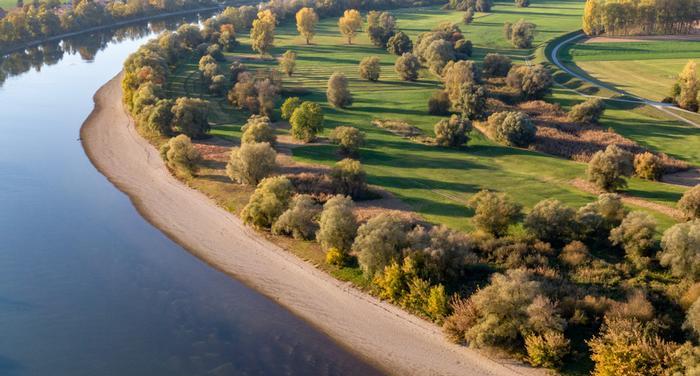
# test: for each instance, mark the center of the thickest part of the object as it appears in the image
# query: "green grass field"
(435, 181)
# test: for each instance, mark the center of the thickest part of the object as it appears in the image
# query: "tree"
(306, 23)
(379, 242)
(693, 317)
(648, 166)
(227, 39)
(380, 27)
(520, 34)
(337, 224)
(307, 121)
(258, 129)
(288, 62)
(470, 101)
(497, 65)
(268, 202)
(484, 5)
(689, 204)
(468, 16)
(350, 23)
(290, 104)
(407, 67)
(552, 221)
(299, 220)
(608, 168)
(681, 250)
(190, 117)
(338, 93)
(438, 54)
(218, 85)
(452, 132)
(636, 236)
(161, 117)
(494, 212)
(456, 74)
(251, 162)
(689, 86)
(399, 44)
(370, 68)
(533, 82)
(348, 178)
(589, 111)
(180, 155)
(350, 139)
(439, 103)
(512, 128)
(522, 3)
(262, 35)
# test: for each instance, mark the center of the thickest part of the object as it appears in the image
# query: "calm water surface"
(87, 287)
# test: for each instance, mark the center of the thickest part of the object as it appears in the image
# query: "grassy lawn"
(435, 181)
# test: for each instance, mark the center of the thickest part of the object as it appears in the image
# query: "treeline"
(639, 17)
(49, 18)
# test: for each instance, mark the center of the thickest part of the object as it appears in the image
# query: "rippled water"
(87, 287)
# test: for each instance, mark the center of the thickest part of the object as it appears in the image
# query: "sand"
(386, 336)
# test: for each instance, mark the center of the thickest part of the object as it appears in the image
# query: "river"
(87, 286)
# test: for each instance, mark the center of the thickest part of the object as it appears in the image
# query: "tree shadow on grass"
(655, 195)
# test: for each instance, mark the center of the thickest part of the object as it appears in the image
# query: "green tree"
(337, 224)
(452, 132)
(494, 212)
(190, 117)
(290, 104)
(270, 199)
(399, 44)
(370, 69)
(608, 168)
(338, 93)
(251, 163)
(307, 121)
(349, 178)
(407, 67)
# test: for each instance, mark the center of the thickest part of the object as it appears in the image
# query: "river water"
(88, 287)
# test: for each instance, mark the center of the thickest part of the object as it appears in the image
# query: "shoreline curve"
(384, 335)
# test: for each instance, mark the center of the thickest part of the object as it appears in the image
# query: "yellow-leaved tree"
(306, 23)
(689, 86)
(350, 24)
(262, 35)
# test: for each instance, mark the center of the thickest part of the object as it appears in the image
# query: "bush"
(399, 44)
(681, 250)
(512, 128)
(497, 65)
(348, 178)
(335, 257)
(589, 111)
(692, 320)
(547, 350)
(522, 3)
(161, 117)
(551, 221)
(288, 62)
(307, 121)
(380, 27)
(407, 67)
(575, 254)
(636, 236)
(608, 168)
(218, 85)
(300, 219)
(441, 253)
(338, 93)
(458, 73)
(337, 224)
(370, 68)
(439, 103)
(471, 101)
(180, 155)
(596, 219)
(350, 139)
(190, 117)
(258, 129)
(436, 306)
(251, 162)
(520, 34)
(268, 202)
(494, 212)
(648, 166)
(452, 132)
(468, 17)
(290, 104)
(532, 82)
(689, 204)
(464, 316)
(379, 243)
(438, 54)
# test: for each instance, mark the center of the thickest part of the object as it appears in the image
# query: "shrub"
(455, 74)
(307, 121)
(692, 320)
(350, 139)
(522, 3)
(532, 82)
(464, 316)
(589, 111)
(251, 162)
(597, 218)
(161, 117)
(300, 219)
(636, 236)
(681, 250)
(370, 68)
(689, 204)
(180, 155)
(438, 54)
(512, 128)
(338, 93)
(575, 254)
(471, 101)
(648, 166)
(441, 253)
(392, 282)
(258, 129)
(608, 168)
(636, 307)
(288, 62)
(494, 212)
(236, 68)
(399, 44)
(497, 65)
(547, 350)
(463, 49)
(407, 67)
(268, 202)
(379, 243)
(214, 50)
(552, 221)
(290, 104)
(218, 84)
(520, 34)
(452, 132)
(335, 257)
(337, 224)
(348, 178)
(436, 305)
(380, 27)
(190, 117)
(439, 103)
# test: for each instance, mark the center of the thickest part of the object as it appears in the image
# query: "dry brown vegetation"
(403, 129)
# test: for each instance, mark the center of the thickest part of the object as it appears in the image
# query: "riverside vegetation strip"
(437, 182)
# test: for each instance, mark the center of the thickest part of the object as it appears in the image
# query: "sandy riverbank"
(385, 335)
